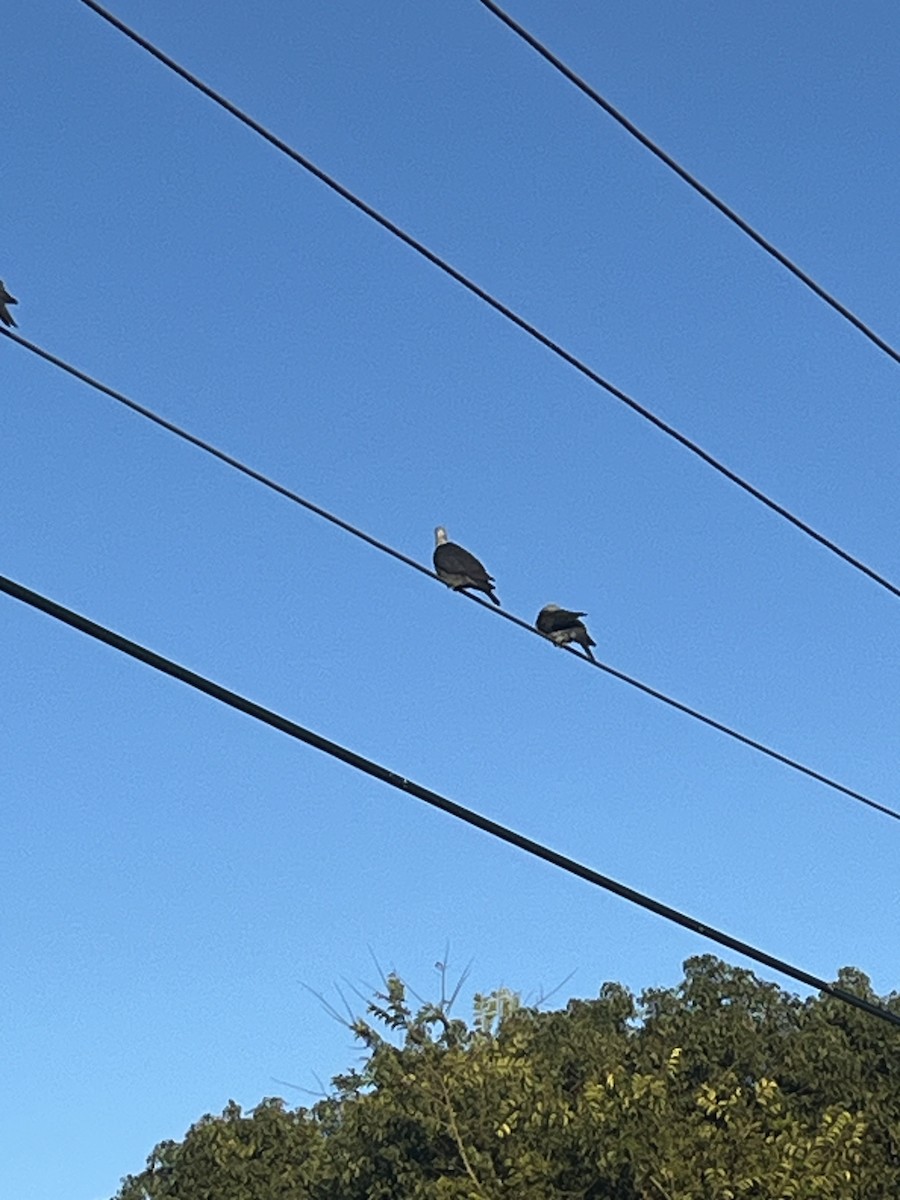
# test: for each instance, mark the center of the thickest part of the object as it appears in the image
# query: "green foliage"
(722, 1088)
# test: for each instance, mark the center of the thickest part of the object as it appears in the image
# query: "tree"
(721, 1088)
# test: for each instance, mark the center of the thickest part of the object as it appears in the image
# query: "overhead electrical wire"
(692, 181)
(493, 302)
(537, 849)
(230, 461)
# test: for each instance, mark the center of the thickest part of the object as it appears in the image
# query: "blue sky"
(176, 876)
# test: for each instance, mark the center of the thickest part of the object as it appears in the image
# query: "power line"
(692, 181)
(221, 455)
(537, 849)
(258, 477)
(494, 303)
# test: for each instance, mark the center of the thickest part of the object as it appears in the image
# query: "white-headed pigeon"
(6, 298)
(458, 568)
(563, 626)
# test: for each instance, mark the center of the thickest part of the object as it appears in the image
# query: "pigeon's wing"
(559, 619)
(456, 561)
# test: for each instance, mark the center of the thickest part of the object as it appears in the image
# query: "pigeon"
(458, 568)
(6, 298)
(563, 626)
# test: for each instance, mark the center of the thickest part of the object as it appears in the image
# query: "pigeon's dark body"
(459, 569)
(563, 626)
(6, 298)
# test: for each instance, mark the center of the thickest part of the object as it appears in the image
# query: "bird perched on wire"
(563, 626)
(458, 568)
(6, 298)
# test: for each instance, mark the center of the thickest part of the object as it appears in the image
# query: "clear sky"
(175, 876)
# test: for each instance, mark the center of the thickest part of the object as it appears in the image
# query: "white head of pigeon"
(458, 568)
(562, 626)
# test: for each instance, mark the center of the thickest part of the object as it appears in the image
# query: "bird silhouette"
(6, 298)
(563, 626)
(458, 568)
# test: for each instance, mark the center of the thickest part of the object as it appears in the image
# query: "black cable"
(689, 179)
(459, 811)
(281, 490)
(497, 305)
(209, 448)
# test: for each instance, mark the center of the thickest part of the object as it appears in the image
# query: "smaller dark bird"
(562, 626)
(6, 298)
(458, 568)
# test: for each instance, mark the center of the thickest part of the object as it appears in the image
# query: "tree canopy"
(723, 1087)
